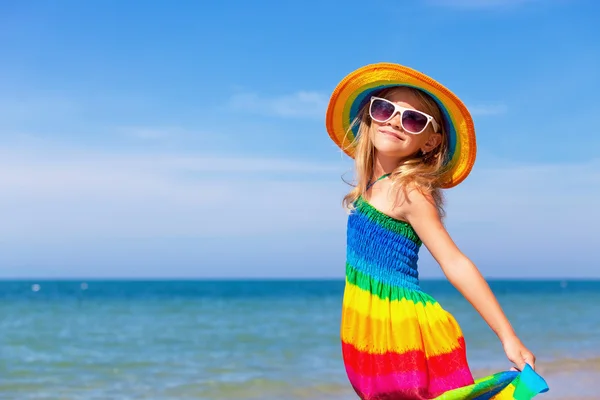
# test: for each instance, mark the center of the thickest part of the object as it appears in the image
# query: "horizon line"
(275, 278)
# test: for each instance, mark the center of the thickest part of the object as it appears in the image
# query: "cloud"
(313, 105)
(540, 193)
(172, 136)
(20, 108)
(529, 219)
(77, 194)
(150, 132)
(480, 4)
(488, 110)
(124, 214)
(302, 104)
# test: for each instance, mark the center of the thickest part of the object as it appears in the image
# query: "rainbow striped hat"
(355, 90)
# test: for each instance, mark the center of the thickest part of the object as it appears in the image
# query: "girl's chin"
(391, 150)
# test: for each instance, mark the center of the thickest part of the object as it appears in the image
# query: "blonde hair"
(421, 172)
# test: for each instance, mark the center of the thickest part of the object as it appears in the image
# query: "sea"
(255, 339)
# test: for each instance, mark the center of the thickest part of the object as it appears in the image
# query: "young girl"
(410, 138)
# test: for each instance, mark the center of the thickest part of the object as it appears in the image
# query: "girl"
(410, 138)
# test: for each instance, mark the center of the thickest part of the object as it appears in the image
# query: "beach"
(254, 339)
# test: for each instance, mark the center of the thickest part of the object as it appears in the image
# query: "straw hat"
(356, 89)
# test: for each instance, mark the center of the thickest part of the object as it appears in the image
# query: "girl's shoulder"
(411, 199)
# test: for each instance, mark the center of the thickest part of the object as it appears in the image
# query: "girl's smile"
(390, 133)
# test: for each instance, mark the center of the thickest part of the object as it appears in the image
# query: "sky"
(162, 140)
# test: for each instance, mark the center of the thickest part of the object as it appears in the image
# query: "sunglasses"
(413, 121)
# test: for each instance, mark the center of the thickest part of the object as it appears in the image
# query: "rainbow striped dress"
(397, 341)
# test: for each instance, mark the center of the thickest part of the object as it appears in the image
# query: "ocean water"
(257, 339)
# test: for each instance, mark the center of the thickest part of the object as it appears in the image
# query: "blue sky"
(143, 139)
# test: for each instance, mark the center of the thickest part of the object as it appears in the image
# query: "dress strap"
(377, 180)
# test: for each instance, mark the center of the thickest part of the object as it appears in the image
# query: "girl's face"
(395, 137)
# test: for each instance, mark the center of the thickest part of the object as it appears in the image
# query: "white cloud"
(150, 132)
(523, 194)
(302, 104)
(173, 136)
(87, 194)
(542, 217)
(313, 105)
(488, 110)
(24, 107)
(535, 220)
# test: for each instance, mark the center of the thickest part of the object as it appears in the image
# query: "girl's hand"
(518, 354)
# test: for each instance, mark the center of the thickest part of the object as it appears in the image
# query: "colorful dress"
(397, 341)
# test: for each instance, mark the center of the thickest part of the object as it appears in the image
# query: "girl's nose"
(396, 121)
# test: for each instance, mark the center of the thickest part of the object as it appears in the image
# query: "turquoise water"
(252, 339)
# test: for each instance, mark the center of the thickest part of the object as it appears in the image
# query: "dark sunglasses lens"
(413, 121)
(381, 110)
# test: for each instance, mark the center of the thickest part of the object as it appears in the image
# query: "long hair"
(422, 172)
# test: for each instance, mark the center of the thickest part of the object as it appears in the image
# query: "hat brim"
(356, 89)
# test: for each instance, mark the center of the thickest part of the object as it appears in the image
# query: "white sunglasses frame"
(400, 110)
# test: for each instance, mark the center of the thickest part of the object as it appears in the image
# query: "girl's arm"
(421, 213)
